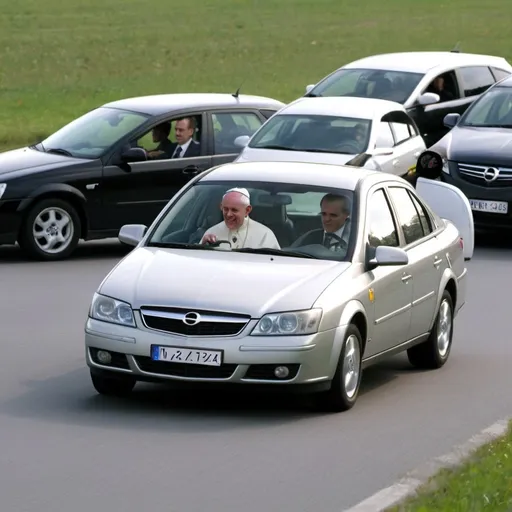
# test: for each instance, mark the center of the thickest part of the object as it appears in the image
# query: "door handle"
(437, 261)
(406, 277)
(191, 170)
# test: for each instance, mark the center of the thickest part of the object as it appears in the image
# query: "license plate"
(186, 355)
(489, 206)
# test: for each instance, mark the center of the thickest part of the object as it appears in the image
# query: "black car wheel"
(51, 230)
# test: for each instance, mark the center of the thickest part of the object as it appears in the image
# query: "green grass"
(60, 59)
(483, 483)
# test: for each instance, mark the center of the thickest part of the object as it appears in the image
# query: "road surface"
(63, 447)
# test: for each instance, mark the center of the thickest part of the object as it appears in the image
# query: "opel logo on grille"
(491, 174)
(191, 318)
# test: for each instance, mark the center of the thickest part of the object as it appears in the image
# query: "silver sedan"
(305, 275)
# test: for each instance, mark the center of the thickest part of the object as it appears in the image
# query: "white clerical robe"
(250, 234)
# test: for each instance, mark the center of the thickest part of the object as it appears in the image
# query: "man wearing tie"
(335, 211)
(185, 146)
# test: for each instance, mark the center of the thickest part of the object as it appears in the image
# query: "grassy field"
(484, 483)
(60, 59)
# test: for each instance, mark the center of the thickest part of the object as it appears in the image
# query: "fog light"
(281, 372)
(104, 357)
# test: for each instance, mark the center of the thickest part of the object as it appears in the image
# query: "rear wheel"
(121, 385)
(51, 230)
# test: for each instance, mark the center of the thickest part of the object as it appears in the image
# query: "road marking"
(407, 486)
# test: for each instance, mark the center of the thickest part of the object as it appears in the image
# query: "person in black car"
(165, 147)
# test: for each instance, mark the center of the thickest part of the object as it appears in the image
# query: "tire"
(434, 352)
(113, 385)
(39, 220)
(342, 397)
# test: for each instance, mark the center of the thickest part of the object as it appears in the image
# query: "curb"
(407, 486)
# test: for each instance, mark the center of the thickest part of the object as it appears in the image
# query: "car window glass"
(384, 136)
(381, 226)
(426, 223)
(401, 131)
(408, 217)
(305, 204)
(476, 79)
(500, 74)
(492, 108)
(230, 125)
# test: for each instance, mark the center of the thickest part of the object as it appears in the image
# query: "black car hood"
(19, 162)
(484, 146)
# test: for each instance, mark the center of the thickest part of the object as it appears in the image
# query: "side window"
(407, 215)
(401, 124)
(384, 136)
(476, 80)
(500, 74)
(268, 113)
(230, 125)
(305, 204)
(381, 226)
(425, 220)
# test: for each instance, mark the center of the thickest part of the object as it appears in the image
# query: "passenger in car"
(237, 227)
(165, 146)
(437, 87)
(186, 146)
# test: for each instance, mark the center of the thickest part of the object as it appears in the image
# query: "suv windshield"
(369, 83)
(283, 220)
(92, 134)
(492, 109)
(325, 134)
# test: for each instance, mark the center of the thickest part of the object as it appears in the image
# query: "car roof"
(422, 62)
(159, 104)
(297, 173)
(361, 108)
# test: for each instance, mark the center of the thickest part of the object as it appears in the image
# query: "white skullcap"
(242, 191)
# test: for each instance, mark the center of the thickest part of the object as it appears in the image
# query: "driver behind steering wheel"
(335, 210)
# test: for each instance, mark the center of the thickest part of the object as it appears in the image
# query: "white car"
(379, 133)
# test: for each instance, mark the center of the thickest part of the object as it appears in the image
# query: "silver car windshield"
(92, 134)
(283, 219)
(314, 133)
(492, 110)
(369, 83)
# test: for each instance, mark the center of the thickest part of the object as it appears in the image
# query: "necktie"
(178, 152)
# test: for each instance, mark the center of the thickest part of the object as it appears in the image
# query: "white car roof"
(297, 173)
(360, 108)
(422, 62)
(162, 103)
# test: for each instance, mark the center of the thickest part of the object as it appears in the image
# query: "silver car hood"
(274, 155)
(251, 284)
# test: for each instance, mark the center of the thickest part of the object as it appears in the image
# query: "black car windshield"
(92, 134)
(369, 83)
(277, 219)
(492, 109)
(315, 133)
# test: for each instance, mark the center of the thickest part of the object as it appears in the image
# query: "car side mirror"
(134, 155)
(388, 257)
(309, 88)
(132, 234)
(429, 98)
(242, 141)
(429, 165)
(450, 120)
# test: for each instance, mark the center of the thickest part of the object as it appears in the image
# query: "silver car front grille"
(485, 174)
(192, 322)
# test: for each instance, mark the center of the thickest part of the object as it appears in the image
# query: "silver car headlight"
(111, 310)
(289, 323)
(3, 186)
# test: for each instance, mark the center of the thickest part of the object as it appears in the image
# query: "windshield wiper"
(276, 252)
(312, 150)
(274, 146)
(59, 151)
(176, 245)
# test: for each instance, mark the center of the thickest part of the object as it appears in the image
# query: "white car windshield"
(283, 219)
(313, 133)
(369, 83)
(92, 134)
(492, 110)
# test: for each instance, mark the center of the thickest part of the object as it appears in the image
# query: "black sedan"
(118, 164)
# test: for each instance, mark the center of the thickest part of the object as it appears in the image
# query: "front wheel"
(346, 382)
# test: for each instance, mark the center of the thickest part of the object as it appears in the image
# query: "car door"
(392, 286)
(136, 192)
(426, 261)
(228, 124)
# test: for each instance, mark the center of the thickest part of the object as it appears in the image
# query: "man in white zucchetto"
(237, 227)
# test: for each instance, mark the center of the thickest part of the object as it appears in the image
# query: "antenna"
(456, 48)
(237, 93)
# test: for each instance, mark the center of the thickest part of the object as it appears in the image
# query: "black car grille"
(190, 322)
(485, 175)
(197, 371)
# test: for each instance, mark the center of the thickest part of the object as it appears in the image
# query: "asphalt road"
(64, 448)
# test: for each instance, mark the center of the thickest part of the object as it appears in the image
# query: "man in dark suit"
(185, 147)
(335, 211)
(165, 147)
